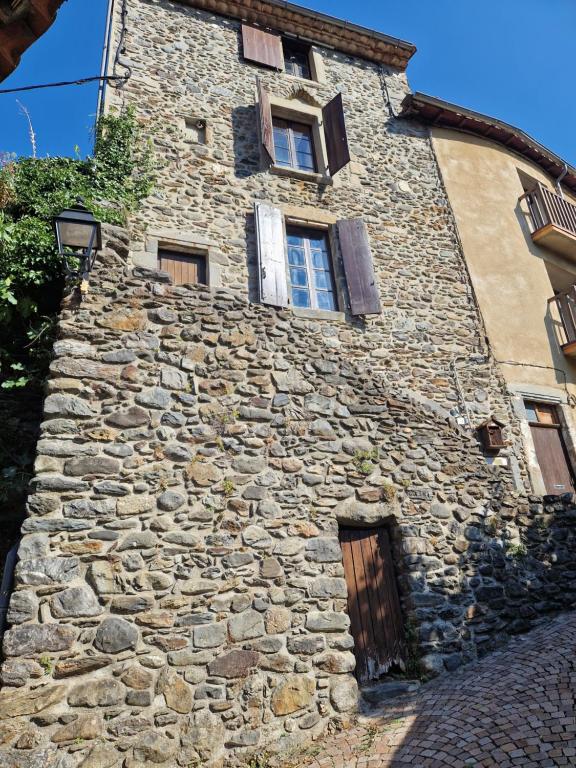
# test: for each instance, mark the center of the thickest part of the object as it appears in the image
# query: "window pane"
(318, 242)
(305, 162)
(296, 59)
(320, 260)
(326, 300)
(300, 297)
(296, 257)
(531, 412)
(298, 277)
(295, 240)
(322, 281)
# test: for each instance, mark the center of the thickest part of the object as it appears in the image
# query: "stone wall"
(187, 64)
(180, 597)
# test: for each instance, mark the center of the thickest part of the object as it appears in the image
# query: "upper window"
(296, 59)
(310, 277)
(293, 145)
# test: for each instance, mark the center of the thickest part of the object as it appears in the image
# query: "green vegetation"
(112, 183)
(363, 461)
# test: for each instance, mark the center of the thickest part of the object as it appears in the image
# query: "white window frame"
(325, 232)
(292, 145)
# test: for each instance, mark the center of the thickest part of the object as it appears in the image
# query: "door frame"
(544, 396)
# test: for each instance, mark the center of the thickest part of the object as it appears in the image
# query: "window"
(183, 268)
(296, 59)
(309, 269)
(293, 145)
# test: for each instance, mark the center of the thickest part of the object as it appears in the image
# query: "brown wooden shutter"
(358, 267)
(266, 127)
(262, 47)
(271, 258)
(335, 132)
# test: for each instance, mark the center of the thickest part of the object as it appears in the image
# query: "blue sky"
(511, 59)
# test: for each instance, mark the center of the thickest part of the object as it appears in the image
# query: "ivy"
(33, 191)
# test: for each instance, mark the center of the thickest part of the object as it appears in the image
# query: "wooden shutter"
(271, 259)
(262, 47)
(335, 132)
(266, 127)
(183, 268)
(358, 267)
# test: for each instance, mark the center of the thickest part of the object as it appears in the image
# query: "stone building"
(514, 203)
(22, 22)
(259, 474)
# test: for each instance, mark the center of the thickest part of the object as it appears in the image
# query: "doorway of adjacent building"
(550, 447)
(373, 601)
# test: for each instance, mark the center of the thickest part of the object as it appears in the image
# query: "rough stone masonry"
(180, 597)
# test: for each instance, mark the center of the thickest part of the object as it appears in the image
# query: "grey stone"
(129, 417)
(172, 378)
(34, 546)
(47, 570)
(103, 692)
(16, 673)
(170, 501)
(246, 625)
(49, 482)
(53, 525)
(36, 639)
(327, 621)
(95, 465)
(111, 488)
(316, 403)
(210, 635)
(324, 550)
(67, 405)
(156, 397)
(328, 587)
(89, 508)
(249, 465)
(115, 635)
(344, 694)
(23, 607)
(177, 452)
(74, 602)
(257, 537)
(139, 540)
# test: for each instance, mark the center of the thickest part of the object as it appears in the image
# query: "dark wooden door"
(183, 268)
(550, 448)
(373, 603)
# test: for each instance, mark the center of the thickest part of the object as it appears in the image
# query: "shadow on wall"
(534, 575)
(246, 142)
(514, 569)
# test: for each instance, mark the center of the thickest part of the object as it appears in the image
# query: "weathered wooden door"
(550, 448)
(373, 602)
(183, 268)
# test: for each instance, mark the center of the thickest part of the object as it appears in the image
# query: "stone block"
(295, 692)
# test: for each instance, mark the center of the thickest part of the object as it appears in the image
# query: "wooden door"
(550, 448)
(183, 268)
(373, 603)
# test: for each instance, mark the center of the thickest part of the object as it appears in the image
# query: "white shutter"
(271, 258)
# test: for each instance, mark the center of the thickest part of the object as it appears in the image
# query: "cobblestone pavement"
(515, 707)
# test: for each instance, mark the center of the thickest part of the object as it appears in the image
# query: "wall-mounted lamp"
(79, 238)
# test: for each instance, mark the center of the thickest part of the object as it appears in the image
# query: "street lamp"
(79, 238)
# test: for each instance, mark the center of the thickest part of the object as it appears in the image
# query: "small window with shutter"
(296, 59)
(183, 268)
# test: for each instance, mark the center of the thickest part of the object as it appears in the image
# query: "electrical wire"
(81, 81)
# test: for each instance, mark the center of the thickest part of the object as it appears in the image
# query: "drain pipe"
(560, 179)
(105, 56)
(7, 584)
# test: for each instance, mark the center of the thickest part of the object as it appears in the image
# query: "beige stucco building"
(520, 251)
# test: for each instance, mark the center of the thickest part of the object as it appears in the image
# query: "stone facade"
(180, 597)
(187, 63)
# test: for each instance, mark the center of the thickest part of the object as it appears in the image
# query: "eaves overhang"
(443, 114)
(317, 27)
(22, 22)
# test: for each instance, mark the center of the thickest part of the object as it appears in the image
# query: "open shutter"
(335, 132)
(262, 47)
(271, 259)
(358, 267)
(266, 128)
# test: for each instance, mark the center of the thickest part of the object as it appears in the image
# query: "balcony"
(553, 221)
(564, 319)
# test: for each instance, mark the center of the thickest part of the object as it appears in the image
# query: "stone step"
(377, 698)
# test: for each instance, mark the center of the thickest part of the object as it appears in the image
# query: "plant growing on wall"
(112, 183)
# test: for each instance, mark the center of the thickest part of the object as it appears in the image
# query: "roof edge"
(444, 114)
(322, 28)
